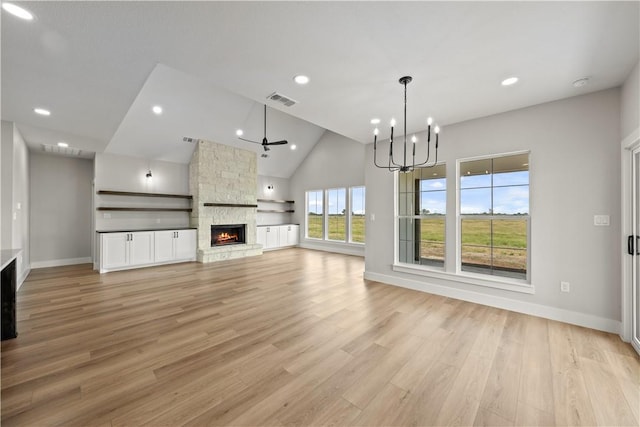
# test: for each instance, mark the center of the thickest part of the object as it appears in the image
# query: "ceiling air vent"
(278, 97)
(189, 139)
(65, 151)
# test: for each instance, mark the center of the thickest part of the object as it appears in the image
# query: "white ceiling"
(100, 66)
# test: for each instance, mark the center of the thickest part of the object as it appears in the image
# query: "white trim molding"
(356, 249)
(60, 262)
(547, 312)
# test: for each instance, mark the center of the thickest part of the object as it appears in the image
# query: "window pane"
(315, 229)
(511, 200)
(337, 214)
(357, 214)
(475, 174)
(476, 244)
(432, 234)
(511, 178)
(475, 201)
(433, 202)
(407, 242)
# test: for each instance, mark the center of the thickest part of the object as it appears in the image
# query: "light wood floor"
(296, 337)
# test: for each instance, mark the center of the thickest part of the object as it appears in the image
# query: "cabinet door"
(293, 235)
(282, 235)
(185, 244)
(141, 248)
(261, 236)
(163, 245)
(273, 237)
(114, 250)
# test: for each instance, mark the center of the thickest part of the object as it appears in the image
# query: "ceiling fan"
(265, 143)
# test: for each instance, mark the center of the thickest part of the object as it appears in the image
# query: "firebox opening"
(230, 234)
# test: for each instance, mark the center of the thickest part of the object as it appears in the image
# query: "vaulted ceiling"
(99, 67)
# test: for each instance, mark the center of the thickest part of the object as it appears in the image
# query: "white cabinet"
(124, 250)
(273, 237)
(261, 236)
(175, 245)
(293, 234)
(278, 236)
(121, 251)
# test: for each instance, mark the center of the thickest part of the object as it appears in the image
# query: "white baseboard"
(553, 313)
(61, 262)
(339, 248)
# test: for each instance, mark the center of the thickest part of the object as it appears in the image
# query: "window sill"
(513, 285)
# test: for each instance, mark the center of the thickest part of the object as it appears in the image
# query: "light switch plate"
(601, 220)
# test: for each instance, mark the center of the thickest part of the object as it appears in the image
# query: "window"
(494, 216)
(357, 217)
(422, 196)
(315, 214)
(337, 218)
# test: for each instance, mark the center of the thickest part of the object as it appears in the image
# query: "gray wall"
(280, 191)
(123, 173)
(61, 210)
(630, 103)
(335, 162)
(15, 197)
(575, 159)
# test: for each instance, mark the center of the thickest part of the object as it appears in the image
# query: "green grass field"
(337, 227)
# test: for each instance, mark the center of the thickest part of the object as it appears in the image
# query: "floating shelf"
(129, 193)
(231, 205)
(110, 208)
(276, 210)
(275, 201)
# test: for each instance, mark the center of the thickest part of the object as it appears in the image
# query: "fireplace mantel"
(230, 205)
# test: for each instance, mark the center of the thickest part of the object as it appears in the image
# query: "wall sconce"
(148, 175)
(270, 188)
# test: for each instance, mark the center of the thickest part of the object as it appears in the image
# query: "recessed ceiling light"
(18, 11)
(581, 82)
(42, 111)
(375, 121)
(63, 144)
(239, 132)
(293, 146)
(509, 81)
(301, 80)
(157, 109)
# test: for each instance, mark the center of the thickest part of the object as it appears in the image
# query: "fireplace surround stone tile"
(222, 174)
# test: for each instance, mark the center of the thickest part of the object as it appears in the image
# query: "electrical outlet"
(565, 287)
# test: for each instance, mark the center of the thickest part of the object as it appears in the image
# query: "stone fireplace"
(223, 182)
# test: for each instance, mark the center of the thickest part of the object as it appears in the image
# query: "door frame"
(629, 146)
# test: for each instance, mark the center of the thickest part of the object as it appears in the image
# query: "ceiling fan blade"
(283, 142)
(248, 140)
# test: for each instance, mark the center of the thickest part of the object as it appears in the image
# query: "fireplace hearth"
(229, 234)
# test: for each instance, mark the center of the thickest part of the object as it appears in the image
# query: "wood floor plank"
(295, 338)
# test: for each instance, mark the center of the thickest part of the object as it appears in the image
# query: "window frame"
(491, 217)
(398, 217)
(350, 213)
(306, 215)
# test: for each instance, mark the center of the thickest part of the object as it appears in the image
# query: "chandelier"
(392, 166)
